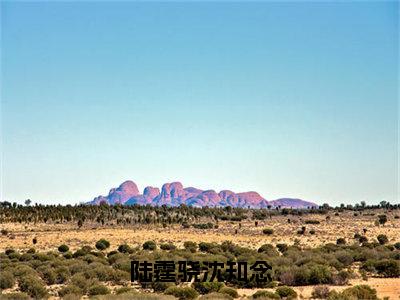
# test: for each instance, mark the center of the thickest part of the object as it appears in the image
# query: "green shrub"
(98, 289)
(207, 287)
(320, 292)
(397, 245)
(286, 292)
(33, 286)
(182, 293)
(282, 247)
(268, 249)
(364, 292)
(265, 295)
(341, 241)
(215, 296)
(124, 290)
(388, 268)
(192, 246)
(7, 280)
(102, 244)
(320, 274)
(124, 248)
(70, 289)
(161, 286)
(382, 239)
(15, 296)
(312, 222)
(229, 291)
(382, 219)
(149, 245)
(268, 231)
(47, 274)
(63, 248)
(167, 246)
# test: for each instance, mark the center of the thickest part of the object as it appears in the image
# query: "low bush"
(14, 296)
(282, 247)
(207, 287)
(33, 286)
(382, 239)
(102, 244)
(341, 241)
(63, 248)
(70, 289)
(364, 292)
(229, 291)
(98, 289)
(182, 293)
(320, 292)
(161, 286)
(268, 231)
(265, 295)
(312, 222)
(215, 296)
(167, 246)
(388, 267)
(192, 246)
(149, 245)
(286, 292)
(125, 248)
(7, 280)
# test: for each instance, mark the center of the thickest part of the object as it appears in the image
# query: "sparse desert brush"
(216, 296)
(98, 289)
(102, 244)
(207, 287)
(15, 296)
(7, 280)
(313, 221)
(268, 231)
(125, 248)
(229, 291)
(263, 294)
(364, 292)
(33, 286)
(161, 286)
(167, 246)
(382, 239)
(282, 247)
(149, 245)
(70, 289)
(341, 241)
(192, 246)
(63, 248)
(268, 249)
(320, 292)
(182, 293)
(286, 292)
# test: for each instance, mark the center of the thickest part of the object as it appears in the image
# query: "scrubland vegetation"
(101, 269)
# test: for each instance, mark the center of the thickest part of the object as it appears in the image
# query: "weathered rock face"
(123, 193)
(174, 194)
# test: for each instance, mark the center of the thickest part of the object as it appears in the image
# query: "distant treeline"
(124, 215)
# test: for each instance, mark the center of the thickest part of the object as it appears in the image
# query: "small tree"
(382, 239)
(102, 244)
(382, 219)
(63, 248)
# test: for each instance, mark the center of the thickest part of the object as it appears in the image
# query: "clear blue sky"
(290, 100)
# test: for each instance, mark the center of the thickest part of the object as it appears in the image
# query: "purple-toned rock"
(150, 193)
(174, 194)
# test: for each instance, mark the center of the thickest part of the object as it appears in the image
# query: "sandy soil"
(50, 236)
